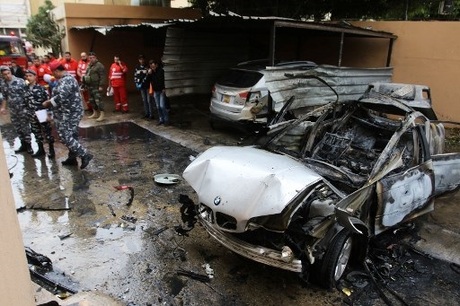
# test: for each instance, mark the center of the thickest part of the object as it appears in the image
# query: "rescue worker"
(70, 64)
(95, 80)
(41, 69)
(81, 71)
(50, 59)
(68, 111)
(13, 96)
(117, 78)
(35, 95)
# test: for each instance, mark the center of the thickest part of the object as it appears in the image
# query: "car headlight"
(287, 255)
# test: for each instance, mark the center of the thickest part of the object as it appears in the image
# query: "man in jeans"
(140, 79)
(156, 76)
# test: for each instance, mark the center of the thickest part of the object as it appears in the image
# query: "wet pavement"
(99, 242)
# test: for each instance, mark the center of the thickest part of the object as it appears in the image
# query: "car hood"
(246, 182)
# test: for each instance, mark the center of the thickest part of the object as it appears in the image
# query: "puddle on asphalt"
(101, 231)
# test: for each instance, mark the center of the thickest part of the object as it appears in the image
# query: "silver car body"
(234, 103)
(349, 167)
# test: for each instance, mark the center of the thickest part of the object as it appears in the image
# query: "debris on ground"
(64, 236)
(193, 275)
(131, 189)
(188, 216)
(160, 230)
(209, 270)
(386, 262)
(167, 179)
(39, 266)
(188, 211)
(130, 219)
(39, 260)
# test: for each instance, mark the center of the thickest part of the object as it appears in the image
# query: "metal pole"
(271, 55)
(342, 36)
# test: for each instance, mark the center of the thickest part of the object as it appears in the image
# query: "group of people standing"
(150, 81)
(148, 78)
(66, 87)
(47, 85)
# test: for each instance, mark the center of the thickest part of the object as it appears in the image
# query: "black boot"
(70, 161)
(22, 148)
(40, 152)
(85, 159)
(51, 153)
(29, 148)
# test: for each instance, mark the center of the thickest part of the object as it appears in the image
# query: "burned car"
(312, 191)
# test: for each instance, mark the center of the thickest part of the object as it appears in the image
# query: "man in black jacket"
(156, 76)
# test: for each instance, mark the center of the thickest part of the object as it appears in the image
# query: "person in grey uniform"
(35, 95)
(13, 92)
(66, 102)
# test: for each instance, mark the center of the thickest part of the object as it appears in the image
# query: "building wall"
(35, 4)
(15, 283)
(427, 53)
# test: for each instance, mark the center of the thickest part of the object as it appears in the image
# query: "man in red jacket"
(117, 78)
(41, 69)
(70, 64)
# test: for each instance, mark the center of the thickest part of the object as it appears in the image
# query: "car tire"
(335, 260)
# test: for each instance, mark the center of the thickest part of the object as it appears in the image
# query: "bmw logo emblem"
(217, 200)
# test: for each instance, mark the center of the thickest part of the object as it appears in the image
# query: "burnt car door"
(446, 171)
(409, 190)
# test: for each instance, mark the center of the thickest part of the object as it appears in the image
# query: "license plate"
(226, 99)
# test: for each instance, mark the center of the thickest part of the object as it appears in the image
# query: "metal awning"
(105, 29)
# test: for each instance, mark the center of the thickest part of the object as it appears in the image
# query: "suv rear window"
(240, 78)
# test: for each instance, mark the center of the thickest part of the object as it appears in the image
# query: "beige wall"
(15, 283)
(427, 53)
(35, 4)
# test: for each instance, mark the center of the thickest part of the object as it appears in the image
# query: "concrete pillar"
(15, 283)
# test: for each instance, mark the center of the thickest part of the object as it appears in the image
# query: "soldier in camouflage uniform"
(35, 95)
(95, 81)
(67, 107)
(13, 94)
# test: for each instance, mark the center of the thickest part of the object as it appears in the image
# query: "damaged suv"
(313, 190)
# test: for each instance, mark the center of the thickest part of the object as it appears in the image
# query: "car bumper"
(260, 254)
(236, 114)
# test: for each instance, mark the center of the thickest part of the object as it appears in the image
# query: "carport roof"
(236, 21)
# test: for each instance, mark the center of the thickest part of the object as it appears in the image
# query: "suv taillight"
(243, 95)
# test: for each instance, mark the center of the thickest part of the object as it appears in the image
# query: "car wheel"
(336, 259)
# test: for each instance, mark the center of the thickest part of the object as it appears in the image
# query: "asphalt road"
(136, 254)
